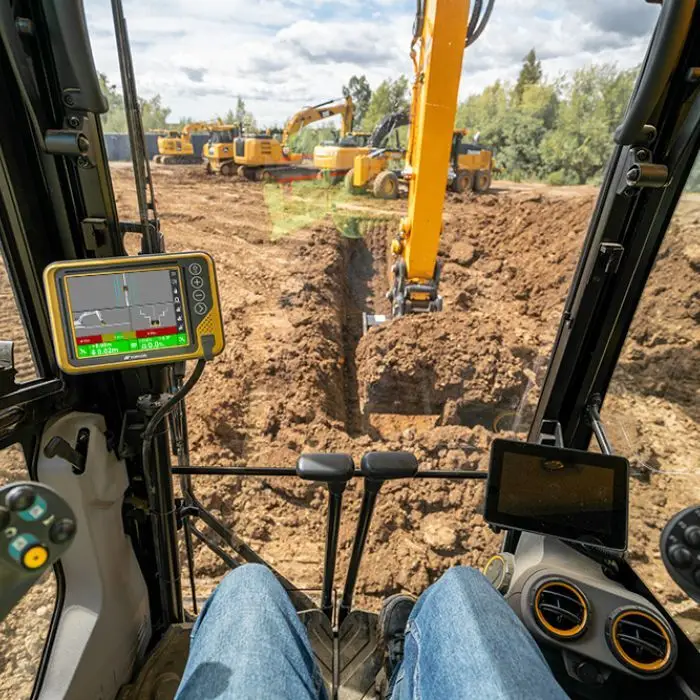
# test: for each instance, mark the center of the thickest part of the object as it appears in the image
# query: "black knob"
(4, 517)
(20, 498)
(587, 672)
(62, 530)
(692, 536)
(680, 556)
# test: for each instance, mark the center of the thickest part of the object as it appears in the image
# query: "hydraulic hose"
(166, 408)
(474, 20)
(160, 505)
(478, 31)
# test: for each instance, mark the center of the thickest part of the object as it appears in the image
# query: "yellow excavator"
(218, 151)
(334, 160)
(264, 158)
(175, 147)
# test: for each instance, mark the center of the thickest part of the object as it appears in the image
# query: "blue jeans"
(462, 641)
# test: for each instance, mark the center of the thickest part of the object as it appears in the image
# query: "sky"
(280, 55)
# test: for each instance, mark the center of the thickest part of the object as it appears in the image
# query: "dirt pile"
(457, 366)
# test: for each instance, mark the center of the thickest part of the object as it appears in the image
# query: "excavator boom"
(309, 115)
(440, 38)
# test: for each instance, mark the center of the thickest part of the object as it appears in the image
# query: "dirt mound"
(458, 366)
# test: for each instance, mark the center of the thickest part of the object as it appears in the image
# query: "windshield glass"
(303, 254)
(652, 412)
(298, 264)
(221, 136)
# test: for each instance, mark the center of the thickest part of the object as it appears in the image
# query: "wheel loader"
(470, 168)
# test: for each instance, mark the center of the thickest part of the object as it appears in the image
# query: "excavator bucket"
(369, 320)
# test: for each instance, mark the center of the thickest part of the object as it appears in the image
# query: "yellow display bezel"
(211, 324)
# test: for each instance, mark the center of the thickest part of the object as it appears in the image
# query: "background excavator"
(218, 151)
(99, 429)
(334, 160)
(265, 158)
(176, 146)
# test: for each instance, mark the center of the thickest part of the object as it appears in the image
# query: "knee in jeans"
(251, 580)
(460, 580)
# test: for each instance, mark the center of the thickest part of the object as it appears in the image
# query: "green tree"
(530, 74)
(114, 121)
(477, 112)
(592, 106)
(153, 113)
(390, 96)
(358, 88)
(241, 116)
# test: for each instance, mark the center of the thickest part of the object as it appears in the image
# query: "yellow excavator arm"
(199, 126)
(437, 50)
(309, 115)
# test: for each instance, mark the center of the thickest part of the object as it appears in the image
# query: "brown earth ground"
(295, 275)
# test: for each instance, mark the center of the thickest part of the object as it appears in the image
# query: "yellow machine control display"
(115, 313)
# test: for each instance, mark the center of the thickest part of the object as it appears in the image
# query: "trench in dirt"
(365, 261)
(398, 401)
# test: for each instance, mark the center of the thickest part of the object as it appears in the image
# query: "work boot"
(392, 627)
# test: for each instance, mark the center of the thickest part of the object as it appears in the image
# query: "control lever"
(376, 467)
(335, 470)
(59, 447)
(38, 527)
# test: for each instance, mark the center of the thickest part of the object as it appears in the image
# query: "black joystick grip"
(36, 526)
(326, 467)
(335, 470)
(383, 466)
(680, 550)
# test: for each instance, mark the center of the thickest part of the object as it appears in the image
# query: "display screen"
(122, 312)
(570, 494)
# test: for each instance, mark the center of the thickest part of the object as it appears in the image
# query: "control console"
(680, 550)
(37, 527)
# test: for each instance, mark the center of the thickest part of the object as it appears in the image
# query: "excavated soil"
(297, 375)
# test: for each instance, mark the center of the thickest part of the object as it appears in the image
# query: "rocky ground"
(297, 266)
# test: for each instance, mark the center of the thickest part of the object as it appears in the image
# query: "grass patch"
(296, 205)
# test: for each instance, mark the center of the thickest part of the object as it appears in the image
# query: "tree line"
(155, 116)
(560, 130)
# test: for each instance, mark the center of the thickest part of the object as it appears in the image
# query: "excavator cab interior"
(119, 340)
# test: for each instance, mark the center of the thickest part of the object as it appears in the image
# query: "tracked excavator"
(103, 425)
(175, 147)
(333, 160)
(266, 159)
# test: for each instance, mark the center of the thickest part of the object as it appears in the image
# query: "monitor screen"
(570, 494)
(115, 313)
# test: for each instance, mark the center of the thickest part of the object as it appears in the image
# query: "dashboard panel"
(568, 604)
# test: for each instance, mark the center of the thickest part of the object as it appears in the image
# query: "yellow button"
(35, 557)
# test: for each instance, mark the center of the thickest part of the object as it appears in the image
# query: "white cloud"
(281, 54)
